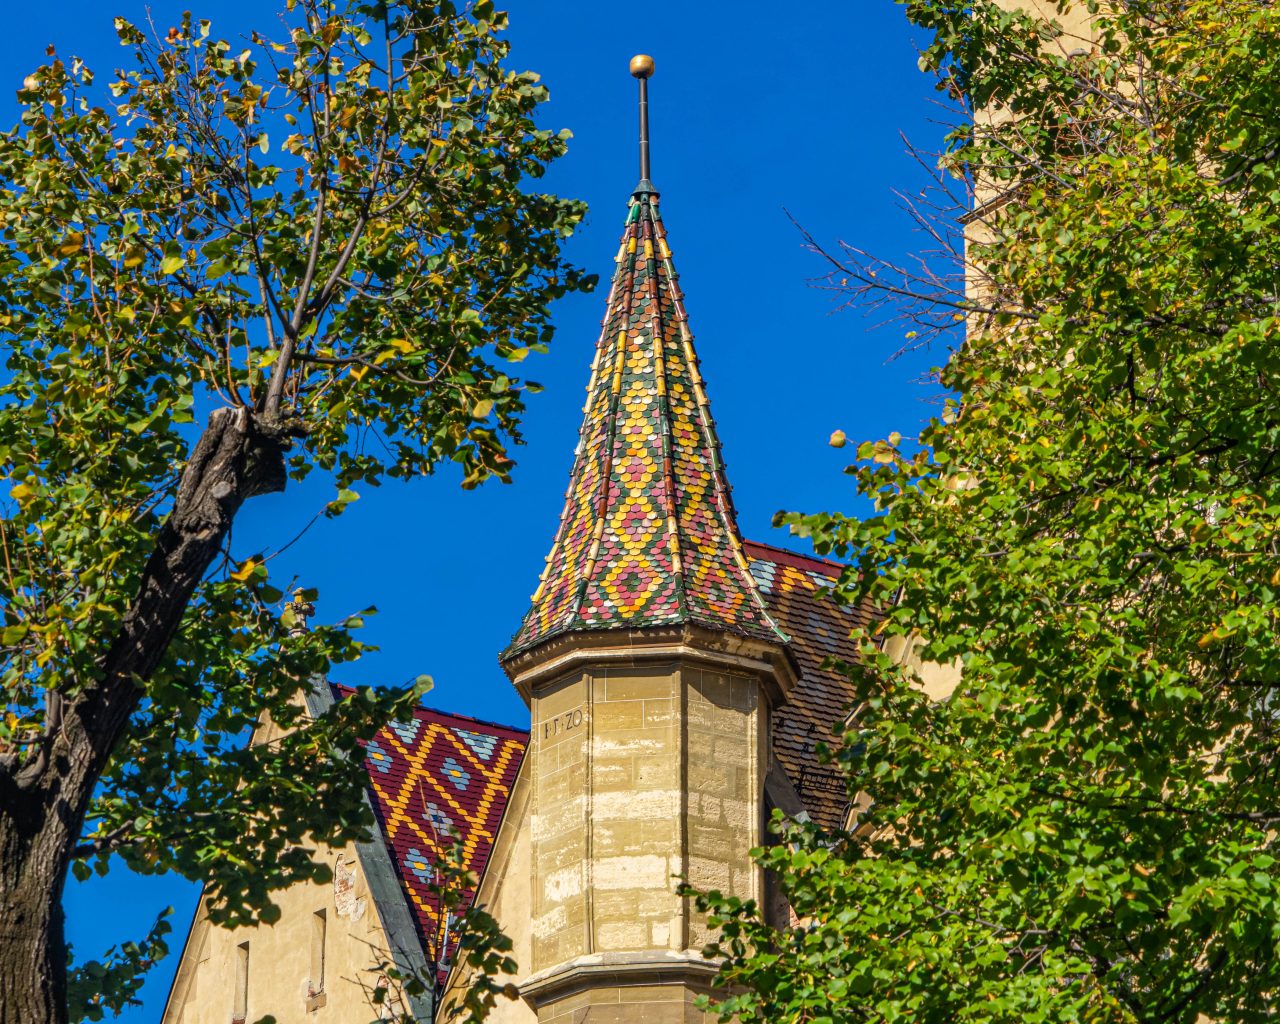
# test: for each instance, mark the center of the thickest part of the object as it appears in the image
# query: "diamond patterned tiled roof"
(648, 536)
(819, 629)
(432, 778)
(440, 774)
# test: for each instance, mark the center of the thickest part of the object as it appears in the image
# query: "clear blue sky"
(755, 107)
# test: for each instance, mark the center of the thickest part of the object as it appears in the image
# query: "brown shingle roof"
(819, 629)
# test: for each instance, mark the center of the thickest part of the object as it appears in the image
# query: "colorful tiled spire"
(648, 536)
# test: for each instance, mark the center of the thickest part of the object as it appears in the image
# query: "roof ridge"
(798, 556)
(472, 720)
(420, 706)
(675, 540)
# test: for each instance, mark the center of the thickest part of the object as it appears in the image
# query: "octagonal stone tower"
(651, 666)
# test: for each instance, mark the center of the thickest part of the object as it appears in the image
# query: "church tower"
(652, 666)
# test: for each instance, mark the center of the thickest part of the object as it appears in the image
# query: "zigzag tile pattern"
(819, 629)
(433, 778)
(648, 536)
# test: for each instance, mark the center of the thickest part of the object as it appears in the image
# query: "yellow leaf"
(358, 372)
(838, 439)
(20, 492)
(403, 344)
(482, 409)
(134, 258)
(71, 244)
(246, 570)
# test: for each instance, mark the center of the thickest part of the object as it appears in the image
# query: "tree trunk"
(33, 968)
(44, 801)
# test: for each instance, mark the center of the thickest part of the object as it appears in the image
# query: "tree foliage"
(1087, 828)
(477, 949)
(98, 987)
(233, 264)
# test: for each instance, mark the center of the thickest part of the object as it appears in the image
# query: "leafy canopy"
(1086, 830)
(325, 239)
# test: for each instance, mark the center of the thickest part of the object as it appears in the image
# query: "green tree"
(318, 246)
(1087, 829)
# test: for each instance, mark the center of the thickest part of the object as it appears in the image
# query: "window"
(318, 927)
(240, 1007)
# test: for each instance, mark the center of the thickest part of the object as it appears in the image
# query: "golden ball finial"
(641, 65)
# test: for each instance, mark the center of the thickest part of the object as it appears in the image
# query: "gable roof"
(648, 535)
(819, 628)
(433, 778)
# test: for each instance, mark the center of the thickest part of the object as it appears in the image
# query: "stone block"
(563, 884)
(616, 715)
(615, 774)
(646, 871)
(711, 687)
(724, 721)
(733, 750)
(559, 851)
(670, 993)
(633, 838)
(621, 935)
(716, 843)
(558, 697)
(554, 817)
(631, 743)
(659, 713)
(654, 772)
(657, 804)
(700, 745)
(705, 777)
(660, 904)
(639, 687)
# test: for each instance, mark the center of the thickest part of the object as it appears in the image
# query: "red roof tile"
(433, 778)
(443, 774)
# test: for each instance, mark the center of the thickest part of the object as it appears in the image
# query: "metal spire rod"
(642, 68)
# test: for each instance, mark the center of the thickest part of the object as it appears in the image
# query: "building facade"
(678, 684)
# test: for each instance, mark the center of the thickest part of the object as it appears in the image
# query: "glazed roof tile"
(794, 585)
(440, 775)
(432, 778)
(648, 536)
